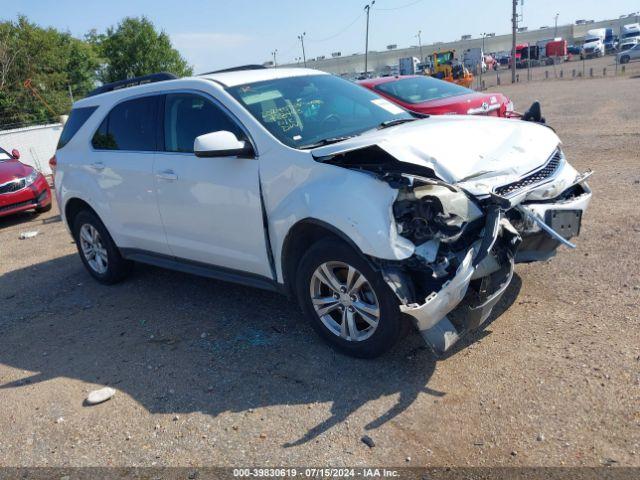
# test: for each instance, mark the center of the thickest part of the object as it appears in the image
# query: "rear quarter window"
(77, 118)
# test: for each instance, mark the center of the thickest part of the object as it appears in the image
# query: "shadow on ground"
(177, 343)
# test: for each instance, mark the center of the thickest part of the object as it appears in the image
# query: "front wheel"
(348, 303)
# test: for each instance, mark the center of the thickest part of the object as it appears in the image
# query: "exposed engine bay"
(466, 244)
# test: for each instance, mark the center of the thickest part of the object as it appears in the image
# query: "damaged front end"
(463, 260)
(466, 244)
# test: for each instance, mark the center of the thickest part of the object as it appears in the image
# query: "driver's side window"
(187, 116)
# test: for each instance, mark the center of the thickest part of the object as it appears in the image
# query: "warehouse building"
(382, 61)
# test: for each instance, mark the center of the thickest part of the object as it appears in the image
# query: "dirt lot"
(209, 373)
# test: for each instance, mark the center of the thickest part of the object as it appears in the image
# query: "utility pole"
(274, 54)
(304, 56)
(419, 35)
(555, 33)
(484, 35)
(366, 40)
(514, 26)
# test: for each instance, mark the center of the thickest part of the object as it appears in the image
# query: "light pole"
(514, 27)
(304, 56)
(419, 35)
(555, 33)
(366, 41)
(274, 54)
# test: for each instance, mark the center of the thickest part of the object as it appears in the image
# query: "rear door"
(211, 207)
(125, 146)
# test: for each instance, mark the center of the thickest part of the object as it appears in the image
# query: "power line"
(339, 32)
(398, 8)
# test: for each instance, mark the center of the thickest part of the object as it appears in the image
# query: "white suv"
(301, 182)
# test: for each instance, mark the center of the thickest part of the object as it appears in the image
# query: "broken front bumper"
(490, 261)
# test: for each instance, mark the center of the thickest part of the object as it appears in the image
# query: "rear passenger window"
(130, 125)
(77, 118)
(187, 116)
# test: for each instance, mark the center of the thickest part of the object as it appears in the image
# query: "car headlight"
(509, 107)
(32, 177)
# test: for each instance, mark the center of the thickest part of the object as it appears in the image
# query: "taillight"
(53, 163)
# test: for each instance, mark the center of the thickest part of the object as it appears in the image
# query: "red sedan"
(21, 187)
(423, 94)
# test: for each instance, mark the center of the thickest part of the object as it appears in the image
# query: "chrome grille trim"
(13, 186)
(537, 177)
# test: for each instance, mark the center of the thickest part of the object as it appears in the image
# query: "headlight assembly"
(32, 177)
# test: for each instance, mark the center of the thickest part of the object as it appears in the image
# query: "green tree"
(54, 63)
(135, 48)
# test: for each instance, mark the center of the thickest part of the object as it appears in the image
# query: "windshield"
(4, 155)
(421, 89)
(303, 111)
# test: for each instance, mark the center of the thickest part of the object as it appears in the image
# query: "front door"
(210, 207)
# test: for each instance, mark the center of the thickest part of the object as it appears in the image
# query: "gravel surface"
(208, 373)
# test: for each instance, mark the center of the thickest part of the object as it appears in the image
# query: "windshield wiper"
(393, 123)
(326, 141)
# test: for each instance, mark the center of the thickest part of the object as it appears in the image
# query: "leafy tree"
(135, 48)
(55, 64)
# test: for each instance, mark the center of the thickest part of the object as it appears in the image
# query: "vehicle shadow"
(178, 344)
(27, 217)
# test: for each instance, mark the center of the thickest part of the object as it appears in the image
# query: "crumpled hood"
(478, 153)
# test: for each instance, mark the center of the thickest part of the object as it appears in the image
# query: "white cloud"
(206, 51)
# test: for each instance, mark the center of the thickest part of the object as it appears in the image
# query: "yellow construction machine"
(446, 67)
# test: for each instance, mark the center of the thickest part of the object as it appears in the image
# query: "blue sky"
(218, 33)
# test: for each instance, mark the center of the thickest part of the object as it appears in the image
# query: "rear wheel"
(349, 304)
(97, 250)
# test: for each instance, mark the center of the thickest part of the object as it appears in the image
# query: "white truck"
(629, 36)
(594, 43)
(473, 59)
(409, 65)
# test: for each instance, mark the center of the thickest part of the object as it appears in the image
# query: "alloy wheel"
(344, 301)
(93, 249)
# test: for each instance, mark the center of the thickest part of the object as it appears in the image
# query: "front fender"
(354, 203)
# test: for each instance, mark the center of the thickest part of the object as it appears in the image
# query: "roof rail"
(236, 69)
(132, 82)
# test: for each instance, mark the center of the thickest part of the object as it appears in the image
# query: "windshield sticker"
(388, 106)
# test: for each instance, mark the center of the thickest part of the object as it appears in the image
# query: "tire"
(45, 208)
(344, 326)
(625, 59)
(106, 265)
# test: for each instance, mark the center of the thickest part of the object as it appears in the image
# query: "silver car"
(629, 55)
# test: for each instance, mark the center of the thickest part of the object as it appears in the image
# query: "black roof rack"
(236, 69)
(132, 82)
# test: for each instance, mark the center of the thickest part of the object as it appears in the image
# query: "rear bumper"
(36, 195)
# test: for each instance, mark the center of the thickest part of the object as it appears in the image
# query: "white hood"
(478, 153)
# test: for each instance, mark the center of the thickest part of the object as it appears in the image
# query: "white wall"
(37, 144)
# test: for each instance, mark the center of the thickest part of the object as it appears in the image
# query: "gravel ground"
(209, 373)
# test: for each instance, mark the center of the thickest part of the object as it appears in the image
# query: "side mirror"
(15, 154)
(222, 144)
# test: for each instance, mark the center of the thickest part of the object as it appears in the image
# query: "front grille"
(539, 176)
(13, 186)
(17, 205)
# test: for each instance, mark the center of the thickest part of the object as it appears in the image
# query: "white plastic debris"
(30, 234)
(99, 396)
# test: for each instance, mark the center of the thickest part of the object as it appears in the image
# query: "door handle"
(168, 175)
(97, 166)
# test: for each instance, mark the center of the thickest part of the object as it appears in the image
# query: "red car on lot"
(21, 187)
(423, 94)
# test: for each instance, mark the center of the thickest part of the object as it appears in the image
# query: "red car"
(21, 187)
(423, 94)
